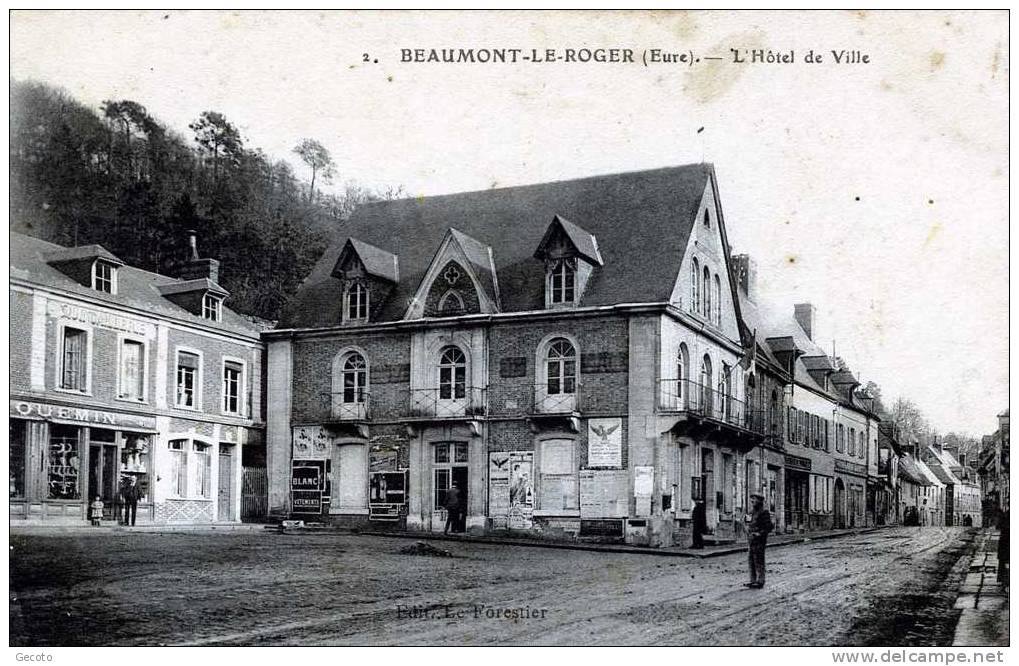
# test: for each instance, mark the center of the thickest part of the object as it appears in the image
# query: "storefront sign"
(308, 486)
(797, 463)
(603, 493)
(605, 443)
(511, 489)
(850, 468)
(102, 319)
(83, 415)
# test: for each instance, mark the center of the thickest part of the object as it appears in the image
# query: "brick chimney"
(804, 313)
(195, 268)
(745, 268)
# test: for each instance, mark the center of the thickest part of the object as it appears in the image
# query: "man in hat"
(759, 525)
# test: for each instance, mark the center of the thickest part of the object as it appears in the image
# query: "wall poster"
(605, 442)
(511, 489)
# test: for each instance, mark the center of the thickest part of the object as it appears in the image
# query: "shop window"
(179, 466)
(73, 376)
(188, 369)
(132, 371)
(18, 433)
(232, 374)
(134, 461)
(64, 465)
(212, 307)
(558, 475)
(203, 469)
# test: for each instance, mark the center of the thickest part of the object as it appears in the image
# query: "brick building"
(568, 353)
(119, 373)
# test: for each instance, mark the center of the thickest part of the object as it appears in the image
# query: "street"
(893, 586)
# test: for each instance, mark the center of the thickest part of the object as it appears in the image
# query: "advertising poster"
(603, 493)
(511, 489)
(605, 442)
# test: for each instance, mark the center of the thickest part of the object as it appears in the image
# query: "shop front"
(63, 457)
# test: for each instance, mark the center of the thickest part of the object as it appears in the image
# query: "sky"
(876, 191)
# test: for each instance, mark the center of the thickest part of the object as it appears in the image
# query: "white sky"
(911, 280)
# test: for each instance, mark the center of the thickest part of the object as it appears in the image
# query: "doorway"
(224, 495)
(103, 477)
(450, 469)
(840, 504)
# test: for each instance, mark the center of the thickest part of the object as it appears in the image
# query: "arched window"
(682, 372)
(718, 300)
(452, 374)
(705, 383)
(707, 218)
(561, 364)
(355, 378)
(356, 302)
(706, 310)
(562, 282)
(451, 303)
(695, 280)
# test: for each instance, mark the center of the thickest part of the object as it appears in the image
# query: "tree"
(219, 139)
(318, 158)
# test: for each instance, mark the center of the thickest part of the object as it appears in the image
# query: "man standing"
(700, 524)
(131, 493)
(759, 525)
(452, 509)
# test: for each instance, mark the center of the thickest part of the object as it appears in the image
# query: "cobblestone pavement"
(895, 586)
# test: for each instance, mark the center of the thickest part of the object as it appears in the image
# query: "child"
(95, 511)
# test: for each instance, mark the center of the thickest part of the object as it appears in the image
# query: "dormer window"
(212, 307)
(355, 306)
(562, 282)
(104, 277)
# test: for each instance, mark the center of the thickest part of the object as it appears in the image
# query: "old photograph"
(510, 328)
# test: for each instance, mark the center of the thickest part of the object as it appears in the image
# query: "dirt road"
(891, 587)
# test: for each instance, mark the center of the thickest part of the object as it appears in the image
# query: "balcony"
(448, 402)
(556, 404)
(710, 406)
(350, 406)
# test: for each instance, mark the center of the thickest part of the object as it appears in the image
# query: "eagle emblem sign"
(605, 442)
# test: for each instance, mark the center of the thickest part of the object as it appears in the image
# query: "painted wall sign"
(797, 463)
(102, 319)
(83, 415)
(603, 493)
(308, 487)
(850, 468)
(605, 442)
(511, 489)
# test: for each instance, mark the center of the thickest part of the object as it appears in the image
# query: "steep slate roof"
(642, 221)
(376, 261)
(584, 241)
(481, 258)
(62, 254)
(908, 469)
(135, 288)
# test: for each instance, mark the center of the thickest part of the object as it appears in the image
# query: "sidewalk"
(673, 551)
(110, 527)
(984, 603)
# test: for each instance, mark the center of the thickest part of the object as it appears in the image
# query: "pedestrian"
(700, 524)
(759, 525)
(1003, 548)
(452, 509)
(131, 493)
(95, 511)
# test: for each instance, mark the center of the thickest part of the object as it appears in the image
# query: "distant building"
(993, 471)
(119, 373)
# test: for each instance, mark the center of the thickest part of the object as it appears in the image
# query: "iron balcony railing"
(554, 398)
(447, 402)
(350, 405)
(684, 395)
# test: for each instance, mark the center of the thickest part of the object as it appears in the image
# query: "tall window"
(840, 438)
(707, 218)
(452, 374)
(179, 466)
(852, 441)
(355, 378)
(203, 469)
(681, 372)
(232, 374)
(357, 302)
(187, 380)
(563, 282)
(64, 463)
(718, 300)
(18, 436)
(695, 280)
(561, 363)
(104, 277)
(212, 307)
(132, 370)
(791, 423)
(725, 388)
(75, 370)
(705, 384)
(706, 310)
(773, 413)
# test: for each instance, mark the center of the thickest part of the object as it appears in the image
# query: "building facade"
(122, 376)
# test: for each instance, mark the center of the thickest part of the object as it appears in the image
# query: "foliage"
(120, 178)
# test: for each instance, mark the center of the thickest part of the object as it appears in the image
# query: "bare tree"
(315, 155)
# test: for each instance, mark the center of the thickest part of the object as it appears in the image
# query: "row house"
(888, 510)
(993, 472)
(962, 488)
(117, 373)
(571, 355)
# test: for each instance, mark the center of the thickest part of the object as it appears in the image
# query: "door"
(103, 479)
(225, 497)
(352, 476)
(840, 504)
(460, 481)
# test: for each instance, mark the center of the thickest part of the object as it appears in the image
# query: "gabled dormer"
(91, 266)
(461, 279)
(784, 349)
(820, 369)
(367, 275)
(197, 290)
(570, 255)
(845, 383)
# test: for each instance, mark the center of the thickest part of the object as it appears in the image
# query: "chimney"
(195, 268)
(804, 313)
(745, 269)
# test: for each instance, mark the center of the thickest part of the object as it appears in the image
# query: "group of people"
(130, 493)
(759, 525)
